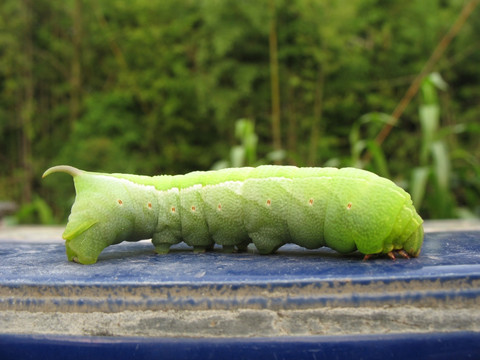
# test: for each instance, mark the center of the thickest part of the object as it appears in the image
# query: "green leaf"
(418, 185)
(442, 164)
(237, 156)
(379, 159)
(438, 81)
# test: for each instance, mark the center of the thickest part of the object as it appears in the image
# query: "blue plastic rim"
(33, 276)
(461, 345)
(443, 255)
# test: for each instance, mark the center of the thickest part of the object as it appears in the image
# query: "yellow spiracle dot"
(120, 202)
(269, 202)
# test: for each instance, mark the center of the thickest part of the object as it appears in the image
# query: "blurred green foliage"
(245, 154)
(157, 87)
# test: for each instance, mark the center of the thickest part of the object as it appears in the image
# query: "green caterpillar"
(345, 209)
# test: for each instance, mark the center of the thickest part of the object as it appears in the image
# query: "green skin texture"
(345, 209)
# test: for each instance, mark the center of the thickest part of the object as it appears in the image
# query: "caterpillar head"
(414, 243)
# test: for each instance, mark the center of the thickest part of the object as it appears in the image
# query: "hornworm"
(345, 209)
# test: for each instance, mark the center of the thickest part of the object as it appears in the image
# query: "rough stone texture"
(244, 323)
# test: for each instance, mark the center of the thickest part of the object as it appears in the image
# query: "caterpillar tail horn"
(63, 168)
